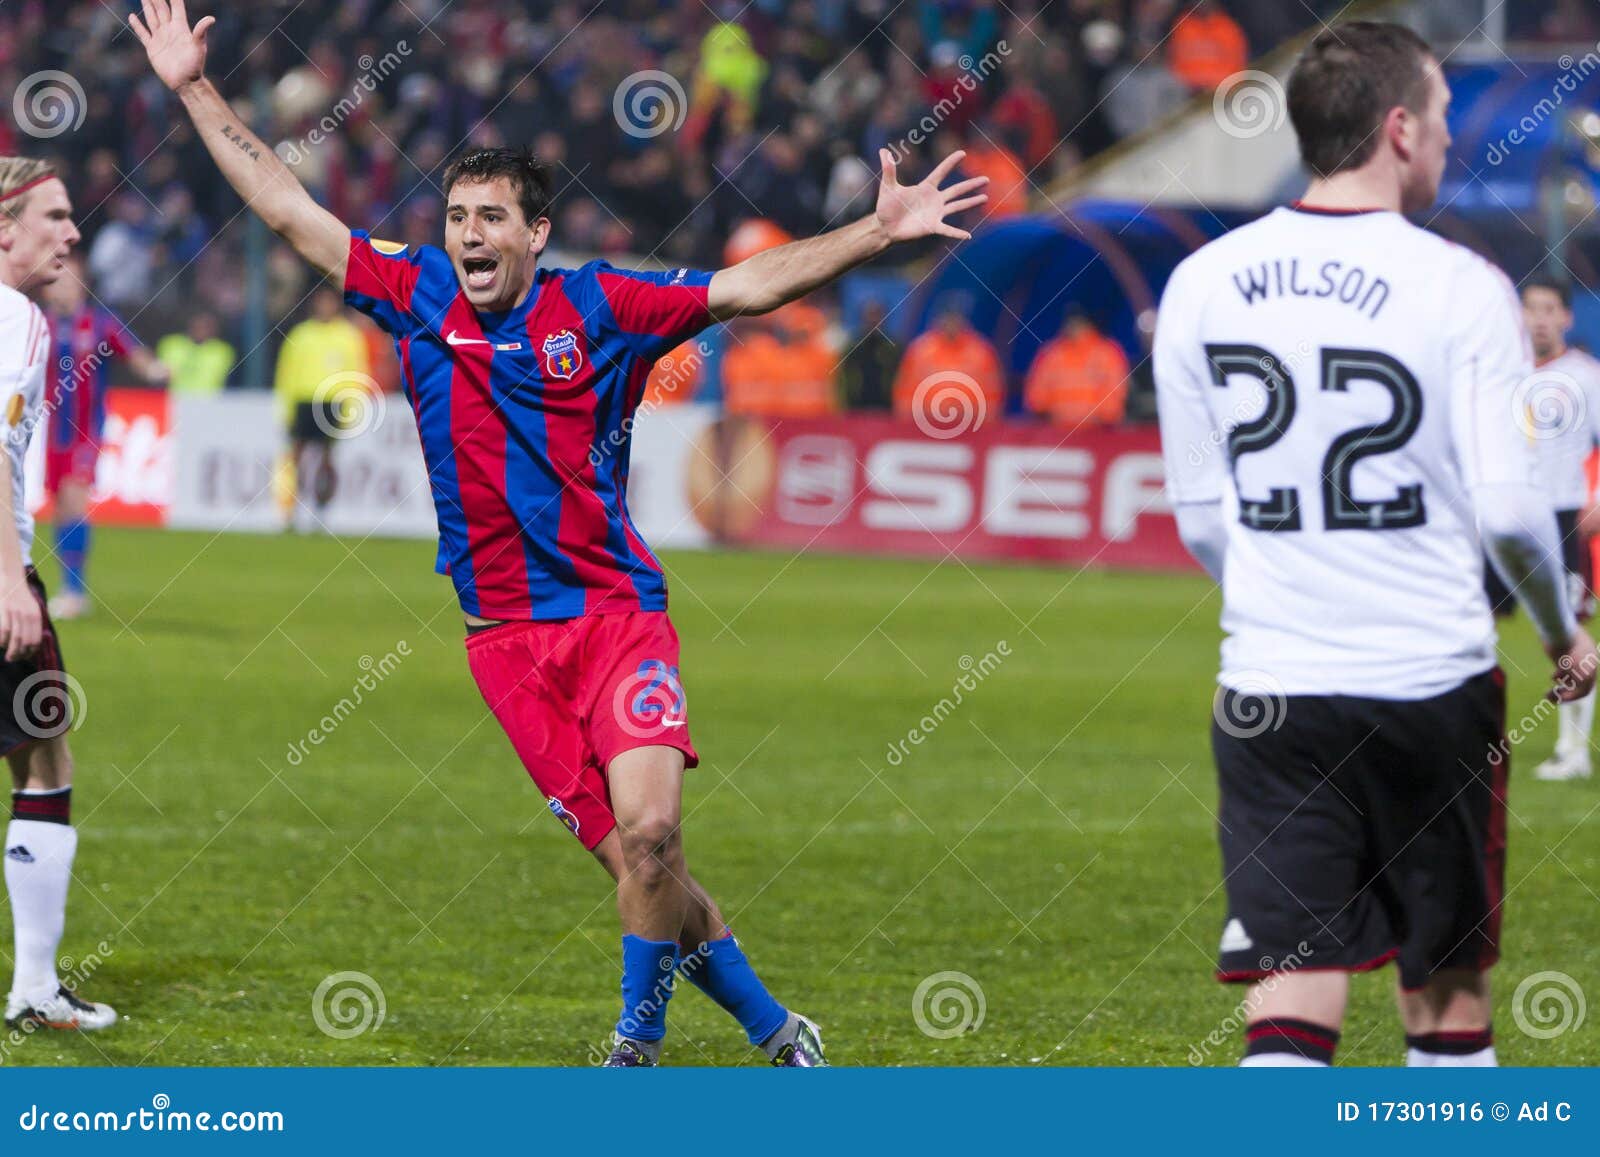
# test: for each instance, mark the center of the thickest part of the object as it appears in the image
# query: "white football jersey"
(24, 356)
(1560, 407)
(1339, 381)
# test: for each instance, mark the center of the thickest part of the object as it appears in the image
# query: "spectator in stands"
(199, 359)
(1206, 47)
(121, 259)
(1079, 378)
(1139, 93)
(829, 81)
(989, 156)
(781, 366)
(730, 64)
(751, 368)
(806, 388)
(950, 356)
(323, 372)
(867, 373)
(1025, 115)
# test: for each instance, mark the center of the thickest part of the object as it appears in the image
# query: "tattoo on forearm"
(242, 141)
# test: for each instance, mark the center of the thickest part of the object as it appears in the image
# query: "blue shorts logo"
(562, 357)
(559, 810)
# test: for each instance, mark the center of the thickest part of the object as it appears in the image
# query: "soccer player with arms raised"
(36, 235)
(524, 381)
(1338, 398)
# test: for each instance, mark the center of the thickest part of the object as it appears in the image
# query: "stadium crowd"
(669, 124)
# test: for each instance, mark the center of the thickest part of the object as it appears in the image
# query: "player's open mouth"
(479, 271)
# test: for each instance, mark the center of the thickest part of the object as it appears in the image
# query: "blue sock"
(647, 968)
(719, 969)
(72, 547)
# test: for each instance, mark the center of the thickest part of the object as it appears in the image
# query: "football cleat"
(65, 1010)
(1564, 766)
(625, 1054)
(67, 606)
(804, 1051)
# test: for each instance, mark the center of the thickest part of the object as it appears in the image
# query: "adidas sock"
(720, 969)
(1469, 1049)
(1285, 1042)
(1279, 1061)
(72, 547)
(647, 968)
(40, 844)
(1579, 716)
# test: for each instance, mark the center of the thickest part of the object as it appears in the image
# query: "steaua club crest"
(562, 357)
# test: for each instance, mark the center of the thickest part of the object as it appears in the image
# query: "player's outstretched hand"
(177, 52)
(907, 212)
(21, 622)
(1575, 668)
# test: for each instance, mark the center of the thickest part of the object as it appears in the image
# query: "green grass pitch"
(1049, 837)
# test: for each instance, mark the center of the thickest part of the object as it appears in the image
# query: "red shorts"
(75, 462)
(574, 694)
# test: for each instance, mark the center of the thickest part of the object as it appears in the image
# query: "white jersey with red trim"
(1342, 383)
(1561, 412)
(24, 356)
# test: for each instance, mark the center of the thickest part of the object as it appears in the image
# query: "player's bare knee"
(652, 844)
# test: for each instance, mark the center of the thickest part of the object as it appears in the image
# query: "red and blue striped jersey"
(85, 343)
(526, 418)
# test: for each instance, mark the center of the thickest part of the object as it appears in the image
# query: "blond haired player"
(36, 234)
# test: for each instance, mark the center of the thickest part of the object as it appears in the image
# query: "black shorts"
(315, 421)
(1575, 559)
(37, 699)
(1358, 831)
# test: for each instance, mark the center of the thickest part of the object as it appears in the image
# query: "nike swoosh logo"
(672, 722)
(453, 338)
